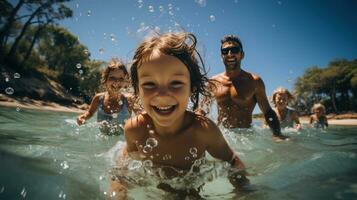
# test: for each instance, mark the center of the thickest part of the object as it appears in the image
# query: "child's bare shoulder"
(204, 123)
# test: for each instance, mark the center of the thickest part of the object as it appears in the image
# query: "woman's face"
(164, 88)
(116, 80)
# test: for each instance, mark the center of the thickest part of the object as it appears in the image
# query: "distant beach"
(6, 101)
(347, 119)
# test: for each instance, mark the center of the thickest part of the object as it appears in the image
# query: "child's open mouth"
(164, 110)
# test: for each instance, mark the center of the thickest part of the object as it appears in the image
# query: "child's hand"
(81, 120)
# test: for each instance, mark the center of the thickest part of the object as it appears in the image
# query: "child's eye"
(148, 85)
(177, 84)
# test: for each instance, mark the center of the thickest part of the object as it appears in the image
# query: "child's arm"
(81, 119)
(311, 120)
(219, 148)
(326, 123)
(118, 186)
(295, 118)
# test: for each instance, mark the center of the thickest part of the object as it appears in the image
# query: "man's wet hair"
(232, 38)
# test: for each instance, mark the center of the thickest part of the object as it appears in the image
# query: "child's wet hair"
(281, 90)
(113, 64)
(318, 106)
(180, 45)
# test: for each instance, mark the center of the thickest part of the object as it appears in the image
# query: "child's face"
(281, 100)
(164, 88)
(319, 112)
(116, 80)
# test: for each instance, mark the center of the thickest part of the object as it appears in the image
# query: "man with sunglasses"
(238, 91)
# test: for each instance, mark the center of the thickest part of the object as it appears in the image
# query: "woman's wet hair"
(281, 90)
(113, 64)
(232, 38)
(180, 45)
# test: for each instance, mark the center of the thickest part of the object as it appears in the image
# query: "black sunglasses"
(234, 50)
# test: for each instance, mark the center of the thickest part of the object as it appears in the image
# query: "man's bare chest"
(240, 94)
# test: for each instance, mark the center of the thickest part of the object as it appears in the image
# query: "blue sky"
(281, 38)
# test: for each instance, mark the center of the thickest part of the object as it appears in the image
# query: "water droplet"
(7, 79)
(2, 189)
(101, 50)
(80, 72)
(112, 37)
(9, 90)
(201, 3)
(135, 164)
(147, 163)
(152, 142)
(23, 192)
(17, 75)
(89, 13)
(161, 8)
(85, 51)
(270, 119)
(140, 2)
(147, 149)
(64, 165)
(194, 155)
(171, 13)
(151, 9)
(151, 132)
(193, 150)
(78, 65)
(18, 109)
(212, 18)
(115, 115)
(120, 102)
(187, 158)
(101, 177)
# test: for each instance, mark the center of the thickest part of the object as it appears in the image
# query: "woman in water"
(112, 106)
(287, 116)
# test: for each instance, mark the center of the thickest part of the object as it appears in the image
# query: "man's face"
(232, 55)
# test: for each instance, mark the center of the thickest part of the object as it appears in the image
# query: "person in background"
(318, 118)
(112, 106)
(287, 116)
(237, 91)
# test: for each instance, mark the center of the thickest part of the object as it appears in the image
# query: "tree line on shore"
(33, 44)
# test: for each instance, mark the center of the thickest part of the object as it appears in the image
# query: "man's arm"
(270, 116)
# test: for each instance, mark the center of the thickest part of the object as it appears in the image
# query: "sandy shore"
(340, 122)
(6, 101)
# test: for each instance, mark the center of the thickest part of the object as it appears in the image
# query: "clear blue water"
(45, 155)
